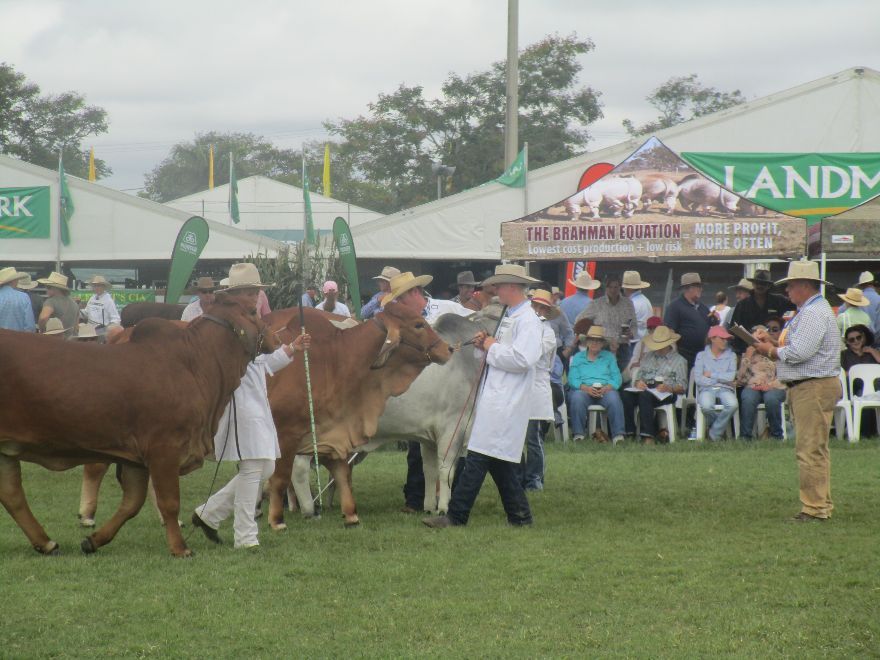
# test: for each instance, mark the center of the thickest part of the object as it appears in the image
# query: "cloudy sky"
(165, 69)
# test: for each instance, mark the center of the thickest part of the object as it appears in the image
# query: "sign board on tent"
(652, 205)
(854, 233)
(24, 212)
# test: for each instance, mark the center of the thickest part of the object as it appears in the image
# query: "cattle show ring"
(211, 444)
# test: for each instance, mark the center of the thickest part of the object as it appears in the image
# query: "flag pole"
(60, 220)
(230, 188)
(305, 243)
(526, 179)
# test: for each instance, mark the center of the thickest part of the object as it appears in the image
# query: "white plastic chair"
(866, 373)
(597, 417)
(843, 411)
(686, 402)
(563, 413)
(701, 422)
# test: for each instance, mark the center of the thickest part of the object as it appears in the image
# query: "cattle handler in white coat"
(246, 432)
(503, 405)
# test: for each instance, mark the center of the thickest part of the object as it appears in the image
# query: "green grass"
(679, 551)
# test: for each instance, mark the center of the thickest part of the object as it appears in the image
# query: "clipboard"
(737, 330)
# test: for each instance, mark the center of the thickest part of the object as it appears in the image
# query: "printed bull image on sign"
(653, 204)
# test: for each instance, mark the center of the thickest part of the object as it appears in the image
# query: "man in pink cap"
(330, 302)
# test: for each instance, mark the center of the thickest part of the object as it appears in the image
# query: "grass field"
(678, 551)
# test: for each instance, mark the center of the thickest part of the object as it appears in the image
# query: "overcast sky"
(165, 69)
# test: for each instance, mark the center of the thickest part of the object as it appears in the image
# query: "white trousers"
(239, 496)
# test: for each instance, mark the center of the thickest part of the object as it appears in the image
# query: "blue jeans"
(506, 476)
(533, 465)
(748, 410)
(707, 398)
(580, 401)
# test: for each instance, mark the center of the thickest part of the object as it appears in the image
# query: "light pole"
(441, 170)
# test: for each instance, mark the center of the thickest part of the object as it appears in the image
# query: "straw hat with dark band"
(402, 283)
(803, 270)
(245, 276)
(660, 338)
(56, 281)
(510, 274)
(545, 300)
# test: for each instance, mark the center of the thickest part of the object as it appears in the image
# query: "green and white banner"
(345, 245)
(191, 240)
(24, 212)
(121, 297)
(811, 186)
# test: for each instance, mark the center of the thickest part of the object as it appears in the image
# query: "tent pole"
(823, 264)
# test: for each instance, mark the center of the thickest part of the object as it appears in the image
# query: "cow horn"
(392, 341)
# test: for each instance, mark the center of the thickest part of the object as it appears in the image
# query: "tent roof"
(869, 210)
(109, 225)
(271, 208)
(833, 114)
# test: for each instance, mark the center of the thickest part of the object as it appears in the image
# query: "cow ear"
(392, 341)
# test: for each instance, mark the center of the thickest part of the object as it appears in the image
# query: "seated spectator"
(663, 369)
(859, 350)
(721, 310)
(853, 312)
(714, 374)
(757, 377)
(593, 377)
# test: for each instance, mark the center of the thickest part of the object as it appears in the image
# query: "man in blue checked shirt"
(16, 312)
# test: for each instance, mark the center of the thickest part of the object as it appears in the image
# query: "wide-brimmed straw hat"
(55, 281)
(545, 299)
(9, 274)
(585, 282)
(100, 280)
(632, 280)
(54, 327)
(26, 283)
(865, 278)
(662, 337)
(387, 273)
(595, 332)
(510, 274)
(743, 284)
(853, 297)
(85, 331)
(205, 284)
(690, 279)
(803, 270)
(465, 278)
(404, 282)
(245, 276)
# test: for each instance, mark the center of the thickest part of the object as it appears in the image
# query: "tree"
(681, 99)
(185, 170)
(383, 160)
(36, 127)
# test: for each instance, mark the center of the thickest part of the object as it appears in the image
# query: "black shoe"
(209, 532)
(807, 518)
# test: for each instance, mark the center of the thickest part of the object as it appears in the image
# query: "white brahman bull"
(697, 194)
(434, 411)
(661, 189)
(620, 193)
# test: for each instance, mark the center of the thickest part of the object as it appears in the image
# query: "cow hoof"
(88, 546)
(51, 549)
(186, 554)
(280, 527)
(87, 522)
(352, 525)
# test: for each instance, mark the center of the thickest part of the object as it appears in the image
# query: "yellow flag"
(92, 174)
(211, 168)
(326, 189)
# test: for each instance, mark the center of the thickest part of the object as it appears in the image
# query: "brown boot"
(662, 437)
(600, 436)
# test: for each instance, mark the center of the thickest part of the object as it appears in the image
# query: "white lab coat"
(437, 308)
(257, 437)
(101, 310)
(541, 405)
(502, 409)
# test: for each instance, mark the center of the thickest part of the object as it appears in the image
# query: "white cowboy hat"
(54, 327)
(632, 280)
(660, 338)
(545, 299)
(56, 281)
(9, 274)
(585, 282)
(100, 281)
(85, 331)
(803, 270)
(509, 274)
(26, 283)
(744, 284)
(387, 273)
(404, 282)
(245, 276)
(865, 278)
(853, 296)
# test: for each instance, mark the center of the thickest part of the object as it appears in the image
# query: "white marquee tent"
(837, 113)
(112, 227)
(271, 208)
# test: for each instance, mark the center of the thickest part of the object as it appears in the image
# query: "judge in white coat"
(246, 432)
(101, 309)
(503, 405)
(541, 411)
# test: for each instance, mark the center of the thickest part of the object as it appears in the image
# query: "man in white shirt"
(101, 309)
(502, 408)
(205, 288)
(632, 287)
(331, 300)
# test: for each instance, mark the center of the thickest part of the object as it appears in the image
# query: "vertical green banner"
(345, 244)
(191, 240)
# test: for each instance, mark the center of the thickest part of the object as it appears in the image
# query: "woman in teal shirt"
(594, 378)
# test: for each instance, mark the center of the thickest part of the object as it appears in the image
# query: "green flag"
(515, 175)
(309, 234)
(191, 240)
(233, 193)
(65, 207)
(345, 243)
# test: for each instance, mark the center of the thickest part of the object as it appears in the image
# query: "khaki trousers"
(812, 407)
